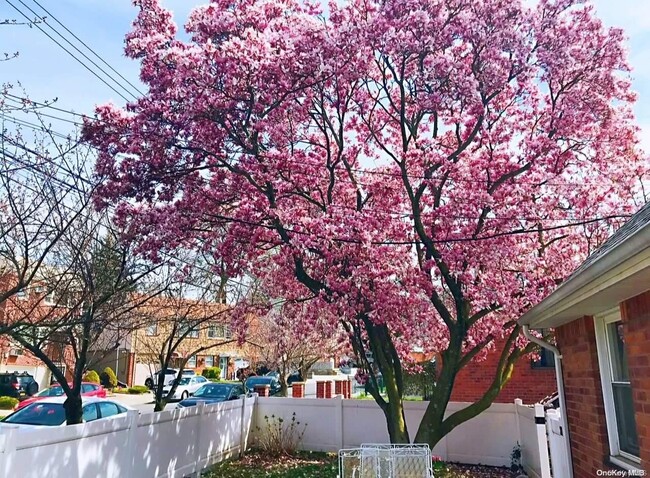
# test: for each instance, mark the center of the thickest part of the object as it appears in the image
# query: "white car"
(169, 374)
(49, 412)
(186, 387)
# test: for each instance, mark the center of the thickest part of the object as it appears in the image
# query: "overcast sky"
(47, 72)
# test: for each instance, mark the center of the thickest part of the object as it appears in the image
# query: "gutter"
(560, 390)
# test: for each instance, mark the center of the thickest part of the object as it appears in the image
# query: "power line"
(33, 126)
(70, 53)
(89, 48)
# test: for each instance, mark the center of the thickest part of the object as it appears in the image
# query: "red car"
(87, 390)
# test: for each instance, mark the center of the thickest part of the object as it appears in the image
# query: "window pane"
(625, 421)
(90, 413)
(209, 361)
(108, 409)
(191, 363)
(618, 357)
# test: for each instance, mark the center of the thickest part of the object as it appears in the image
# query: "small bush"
(212, 373)
(280, 438)
(120, 390)
(91, 376)
(137, 389)
(108, 378)
(8, 403)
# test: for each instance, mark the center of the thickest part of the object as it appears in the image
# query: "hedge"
(8, 403)
(211, 373)
(108, 378)
(91, 376)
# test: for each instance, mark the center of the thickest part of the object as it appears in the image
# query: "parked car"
(87, 390)
(167, 375)
(186, 387)
(214, 393)
(293, 376)
(17, 385)
(272, 382)
(49, 412)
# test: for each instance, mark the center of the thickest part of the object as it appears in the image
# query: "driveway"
(143, 402)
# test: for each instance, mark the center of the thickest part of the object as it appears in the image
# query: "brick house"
(13, 357)
(601, 316)
(531, 381)
(205, 326)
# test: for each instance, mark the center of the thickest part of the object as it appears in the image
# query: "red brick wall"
(528, 383)
(585, 409)
(636, 330)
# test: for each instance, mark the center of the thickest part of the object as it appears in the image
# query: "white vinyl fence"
(154, 445)
(335, 423)
(533, 442)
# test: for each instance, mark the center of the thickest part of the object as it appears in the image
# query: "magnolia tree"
(418, 172)
(289, 347)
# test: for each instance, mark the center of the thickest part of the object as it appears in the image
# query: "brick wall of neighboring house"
(585, 409)
(636, 330)
(527, 382)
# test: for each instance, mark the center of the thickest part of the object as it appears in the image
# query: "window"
(617, 391)
(108, 409)
(189, 330)
(87, 388)
(22, 294)
(90, 413)
(152, 329)
(50, 298)
(212, 332)
(228, 333)
(209, 361)
(191, 363)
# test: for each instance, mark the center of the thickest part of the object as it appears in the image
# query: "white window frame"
(601, 322)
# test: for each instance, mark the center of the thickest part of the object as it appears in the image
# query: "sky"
(46, 72)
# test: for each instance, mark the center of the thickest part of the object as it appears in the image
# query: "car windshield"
(213, 391)
(252, 381)
(25, 380)
(51, 392)
(47, 414)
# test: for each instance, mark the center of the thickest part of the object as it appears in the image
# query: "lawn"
(324, 465)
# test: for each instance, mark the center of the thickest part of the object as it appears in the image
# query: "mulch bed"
(324, 465)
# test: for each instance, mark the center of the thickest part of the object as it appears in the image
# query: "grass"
(255, 465)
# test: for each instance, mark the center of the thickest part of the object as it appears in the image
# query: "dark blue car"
(213, 393)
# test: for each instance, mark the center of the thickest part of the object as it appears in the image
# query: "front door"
(223, 365)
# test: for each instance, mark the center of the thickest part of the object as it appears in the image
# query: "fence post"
(200, 408)
(518, 403)
(242, 428)
(338, 417)
(7, 448)
(540, 426)
(131, 440)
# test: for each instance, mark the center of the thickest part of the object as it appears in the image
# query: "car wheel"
(148, 383)
(184, 395)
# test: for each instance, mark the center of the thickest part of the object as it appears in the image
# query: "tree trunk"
(73, 410)
(160, 404)
(284, 388)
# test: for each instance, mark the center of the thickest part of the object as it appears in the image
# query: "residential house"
(32, 302)
(601, 316)
(204, 336)
(532, 379)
